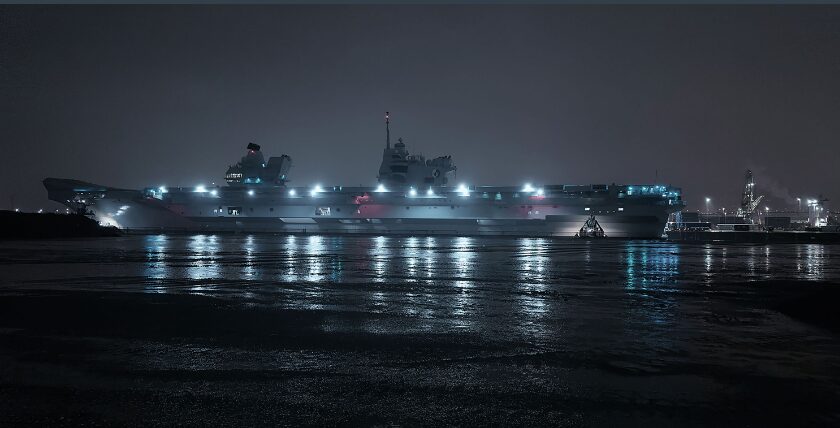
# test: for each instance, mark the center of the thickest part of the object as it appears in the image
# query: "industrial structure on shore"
(750, 224)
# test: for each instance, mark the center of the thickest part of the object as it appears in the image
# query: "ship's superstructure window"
(621, 208)
(322, 211)
(234, 210)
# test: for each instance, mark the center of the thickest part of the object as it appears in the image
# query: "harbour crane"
(749, 201)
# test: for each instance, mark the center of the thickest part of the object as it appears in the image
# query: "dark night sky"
(142, 96)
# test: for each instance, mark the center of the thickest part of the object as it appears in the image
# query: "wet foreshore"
(148, 331)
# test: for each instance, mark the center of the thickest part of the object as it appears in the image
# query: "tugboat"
(591, 229)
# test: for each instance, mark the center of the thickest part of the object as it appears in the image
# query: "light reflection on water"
(459, 282)
(652, 265)
(157, 250)
(635, 320)
(380, 254)
(429, 256)
(814, 260)
(315, 259)
(203, 258)
(249, 269)
(411, 255)
(533, 304)
(463, 301)
(652, 269)
(465, 260)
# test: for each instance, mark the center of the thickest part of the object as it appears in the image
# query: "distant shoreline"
(17, 225)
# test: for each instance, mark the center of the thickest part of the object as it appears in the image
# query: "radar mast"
(387, 130)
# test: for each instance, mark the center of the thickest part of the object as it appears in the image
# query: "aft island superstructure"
(414, 195)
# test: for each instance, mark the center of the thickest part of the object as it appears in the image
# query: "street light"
(708, 201)
(799, 201)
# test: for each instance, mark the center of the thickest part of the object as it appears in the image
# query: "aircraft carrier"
(413, 195)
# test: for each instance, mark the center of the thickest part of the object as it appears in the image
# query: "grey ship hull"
(559, 212)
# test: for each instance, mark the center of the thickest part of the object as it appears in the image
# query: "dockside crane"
(749, 202)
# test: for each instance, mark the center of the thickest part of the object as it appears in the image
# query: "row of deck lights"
(528, 188)
(652, 190)
(462, 190)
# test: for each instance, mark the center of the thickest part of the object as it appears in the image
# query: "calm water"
(415, 330)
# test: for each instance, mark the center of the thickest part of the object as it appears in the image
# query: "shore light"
(380, 188)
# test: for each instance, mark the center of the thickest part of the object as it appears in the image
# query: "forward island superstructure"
(414, 195)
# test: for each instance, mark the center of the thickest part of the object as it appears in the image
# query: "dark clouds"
(148, 95)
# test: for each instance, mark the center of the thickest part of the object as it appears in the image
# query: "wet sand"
(572, 345)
